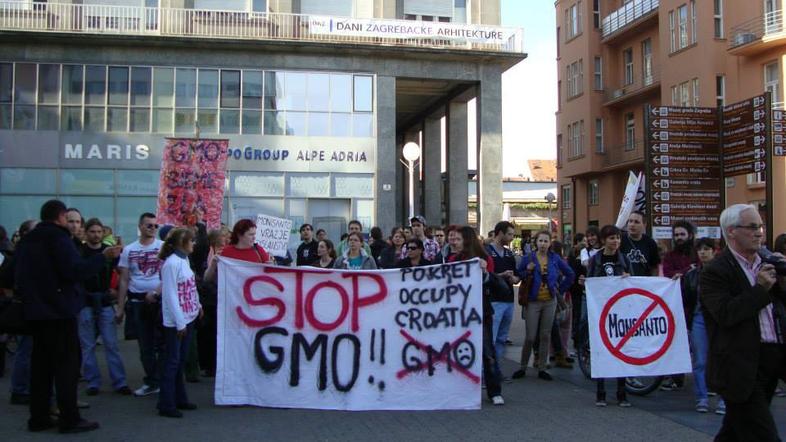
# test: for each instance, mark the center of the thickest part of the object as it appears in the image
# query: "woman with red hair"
(241, 246)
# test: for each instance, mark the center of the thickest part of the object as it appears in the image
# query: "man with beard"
(679, 260)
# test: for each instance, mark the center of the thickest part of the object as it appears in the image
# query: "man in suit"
(742, 301)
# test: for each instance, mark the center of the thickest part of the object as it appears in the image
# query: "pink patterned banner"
(192, 182)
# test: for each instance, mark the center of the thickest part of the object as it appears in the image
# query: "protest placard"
(637, 327)
(191, 186)
(273, 234)
(350, 340)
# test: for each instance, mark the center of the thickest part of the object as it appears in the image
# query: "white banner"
(404, 339)
(359, 27)
(637, 327)
(629, 199)
(273, 234)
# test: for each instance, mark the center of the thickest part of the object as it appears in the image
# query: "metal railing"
(623, 153)
(214, 24)
(626, 15)
(640, 82)
(754, 30)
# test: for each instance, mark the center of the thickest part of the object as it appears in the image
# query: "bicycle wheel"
(583, 356)
(642, 385)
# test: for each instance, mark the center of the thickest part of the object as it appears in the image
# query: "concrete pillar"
(490, 147)
(432, 170)
(385, 215)
(457, 193)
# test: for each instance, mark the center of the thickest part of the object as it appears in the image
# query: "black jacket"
(406, 263)
(48, 272)
(595, 267)
(389, 258)
(731, 312)
(690, 293)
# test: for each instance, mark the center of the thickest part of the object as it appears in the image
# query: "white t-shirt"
(586, 254)
(143, 266)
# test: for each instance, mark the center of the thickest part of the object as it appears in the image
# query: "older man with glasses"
(742, 299)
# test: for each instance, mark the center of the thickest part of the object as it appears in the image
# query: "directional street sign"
(778, 133)
(744, 136)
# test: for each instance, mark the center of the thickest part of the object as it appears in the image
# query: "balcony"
(73, 19)
(643, 85)
(633, 13)
(758, 35)
(624, 155)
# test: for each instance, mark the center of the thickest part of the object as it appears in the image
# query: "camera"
(768, 257)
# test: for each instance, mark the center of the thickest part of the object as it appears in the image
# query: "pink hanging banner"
(191, 187)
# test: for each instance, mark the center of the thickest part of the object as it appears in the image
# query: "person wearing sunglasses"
(140, 285)
(414, 255)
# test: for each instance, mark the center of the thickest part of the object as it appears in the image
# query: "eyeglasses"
(413, 248)
(440, 235)
(151, 226)
(752, 227)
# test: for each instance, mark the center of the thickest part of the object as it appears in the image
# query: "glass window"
(128, 211)
(95, 85)
(140, 120)
(310, 185)
(274, 123)
(185, 88)
(259, 5)
(354, 186)
(230, 121)
(250, 207)
(6, 82)
(117, 119)
(100, 207)
(184, 120)
(230, 89)
(24, 117)
(208, 121)
(118, 86)
(364, 212)
(274, 90)
(318, 124)
(163, 87)
(318, 92)
(341, 125)
(49, 83)
(340, 93)
(257, 184)
(296, 123)
(162, 120)
(138, 182)
(28, 181)
(295, 88)
(5, 116)
(363, 93)
(71, 118)
(87, 182)
(362, 126)
(140, 86)
(208, 88)
(252, 122)
(94, 119)
(252, 89)
(48, 118)
(17, 209)
(72, 84)
(25, 83)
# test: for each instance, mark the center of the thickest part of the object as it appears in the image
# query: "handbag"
(524, 288)
(12, 317)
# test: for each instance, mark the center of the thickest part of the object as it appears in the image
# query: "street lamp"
(550, 198)
(411, 153)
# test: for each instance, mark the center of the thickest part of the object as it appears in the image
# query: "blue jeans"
(503, 316)
(173, 389)
(104, 317)
(699, 347)
(20, 377)
(151, 342)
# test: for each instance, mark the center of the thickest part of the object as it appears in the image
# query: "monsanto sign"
(637, 327)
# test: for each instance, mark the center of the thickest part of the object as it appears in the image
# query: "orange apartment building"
(616, 56)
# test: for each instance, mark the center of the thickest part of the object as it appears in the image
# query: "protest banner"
(192, 182)
(273, 234)
(630, 200)
(637, 327)
(402, 339)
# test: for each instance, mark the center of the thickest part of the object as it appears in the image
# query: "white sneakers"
(497, 400)
(145, 390)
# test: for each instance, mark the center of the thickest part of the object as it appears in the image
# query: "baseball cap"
(419, 219)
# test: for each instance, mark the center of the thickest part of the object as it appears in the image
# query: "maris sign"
(106, 151)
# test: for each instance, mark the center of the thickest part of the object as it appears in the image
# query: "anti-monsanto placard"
(637, 327)
(403, 339)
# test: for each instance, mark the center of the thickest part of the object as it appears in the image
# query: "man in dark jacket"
(48, 271)
(742, 302)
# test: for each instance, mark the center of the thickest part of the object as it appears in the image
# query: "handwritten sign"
(192, 182)
(273, 234)
(403, 339)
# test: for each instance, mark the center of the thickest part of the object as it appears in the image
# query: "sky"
(529, 89)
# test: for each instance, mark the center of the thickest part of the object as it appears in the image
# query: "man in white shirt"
(140, 284)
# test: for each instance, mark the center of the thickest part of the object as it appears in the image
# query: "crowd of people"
(77, 284)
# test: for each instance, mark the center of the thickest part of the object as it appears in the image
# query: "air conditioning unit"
(744, 38)
(618, 93)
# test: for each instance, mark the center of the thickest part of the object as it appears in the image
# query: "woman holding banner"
(609, 262)
(241, 246)
(355, 256)
(180, 307)
(551, 278)
(467, 246)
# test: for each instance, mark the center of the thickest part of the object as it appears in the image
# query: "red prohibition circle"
(617, 352)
